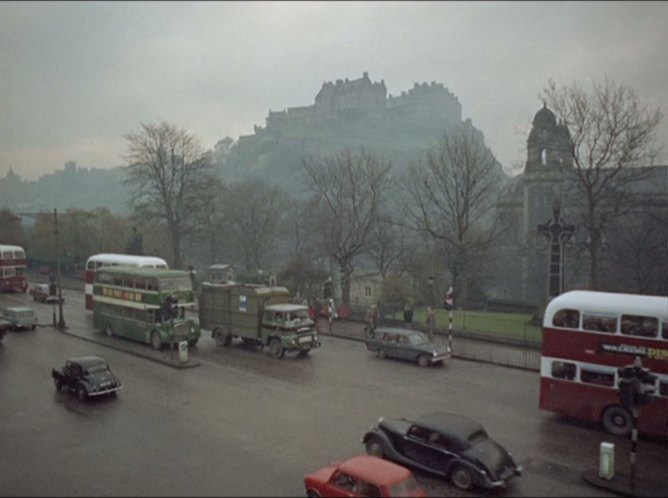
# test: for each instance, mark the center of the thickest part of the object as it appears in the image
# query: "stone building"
(549, 176)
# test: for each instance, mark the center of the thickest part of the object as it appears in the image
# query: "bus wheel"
(275, 348)
(617, 420)
(156, 342)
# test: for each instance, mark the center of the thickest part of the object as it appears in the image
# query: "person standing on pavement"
(430, 321)
(371, 320)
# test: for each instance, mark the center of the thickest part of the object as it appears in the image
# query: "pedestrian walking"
(331, 312)
(430, 321)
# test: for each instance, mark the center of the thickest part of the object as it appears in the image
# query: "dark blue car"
(404, 344)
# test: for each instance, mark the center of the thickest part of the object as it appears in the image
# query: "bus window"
(566, 318)
(663, 389)
(563, 370)
(637, 325)
(599, 323)
(597, 377)
(664, 329)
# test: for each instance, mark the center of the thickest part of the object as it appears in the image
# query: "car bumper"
(105, 391)
(440, 357)
(488, 483)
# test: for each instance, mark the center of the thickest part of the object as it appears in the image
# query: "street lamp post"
(61, 318)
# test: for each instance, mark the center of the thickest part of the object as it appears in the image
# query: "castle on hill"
(363, 104)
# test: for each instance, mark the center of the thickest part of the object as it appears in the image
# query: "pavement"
(462, 347)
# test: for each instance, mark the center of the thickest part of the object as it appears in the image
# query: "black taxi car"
(449, 445)
(86, 376)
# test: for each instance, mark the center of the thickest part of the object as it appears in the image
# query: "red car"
(364, 475)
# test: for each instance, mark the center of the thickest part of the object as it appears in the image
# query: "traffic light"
(636, 386)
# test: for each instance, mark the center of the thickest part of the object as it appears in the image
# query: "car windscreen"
(98, 368)
(477, 437)
(417, 339)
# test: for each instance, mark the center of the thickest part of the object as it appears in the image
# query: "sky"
(76, 77)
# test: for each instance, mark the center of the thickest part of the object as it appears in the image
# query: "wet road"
(245, 424)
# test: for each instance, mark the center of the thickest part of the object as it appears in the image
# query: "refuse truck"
(258, 315)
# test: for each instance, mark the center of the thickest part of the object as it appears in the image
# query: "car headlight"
(433, 353)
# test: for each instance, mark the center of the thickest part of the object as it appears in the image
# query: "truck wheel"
(81, 393)
(276, 349)
(222, 339)
(156, 342)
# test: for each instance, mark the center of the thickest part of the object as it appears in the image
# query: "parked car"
(20, 317)
(44, 294)
(449, 445)
(362, 475)
(86, 376)
(406, 344)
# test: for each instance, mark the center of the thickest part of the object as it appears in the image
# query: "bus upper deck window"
(664, 329)
(566, 318)
(643, 326)
(599, 323)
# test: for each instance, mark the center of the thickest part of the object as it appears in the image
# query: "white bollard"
(183, 352)
(606, 466)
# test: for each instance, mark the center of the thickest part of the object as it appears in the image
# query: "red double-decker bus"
(111, 259)
(12, 269)
(587, 336)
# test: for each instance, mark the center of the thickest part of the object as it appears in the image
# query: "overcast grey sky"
(75, 77)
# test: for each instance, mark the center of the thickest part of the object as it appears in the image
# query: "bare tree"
(389, 246)
(612, 135)
(350, 188)
(254, 215)
(167, 171)
(452, 193)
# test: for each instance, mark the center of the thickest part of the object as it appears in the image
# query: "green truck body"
(258, 315)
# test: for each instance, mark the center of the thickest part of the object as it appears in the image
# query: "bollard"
(183, 352)
(606, 466)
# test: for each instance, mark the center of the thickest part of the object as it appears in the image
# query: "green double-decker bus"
(145, 304)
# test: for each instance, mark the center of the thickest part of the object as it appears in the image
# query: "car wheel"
(617, 420)
(81, 393)
(374, 447)
(312, 493)
(156, 342)
(276, 349)
(423, 360)
(58, 384)
(461, 477)
(304, 352)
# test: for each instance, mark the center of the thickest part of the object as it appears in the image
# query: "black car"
(86, 376)
(445, 444)
(405, 344)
